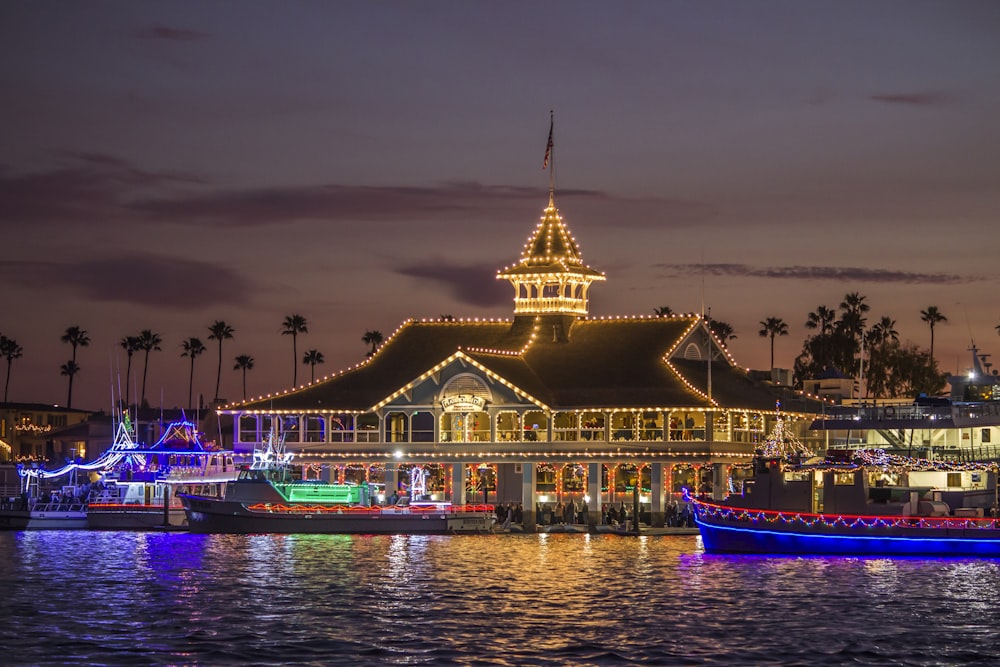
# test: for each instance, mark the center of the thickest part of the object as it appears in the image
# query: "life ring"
(890, 411)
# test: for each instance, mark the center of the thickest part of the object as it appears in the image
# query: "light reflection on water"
(174, 598)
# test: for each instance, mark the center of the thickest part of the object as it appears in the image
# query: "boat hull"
(213, 515)
(43, 520)
(735, 530)
(124, 517)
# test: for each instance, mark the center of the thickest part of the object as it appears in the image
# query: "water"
(130, 598)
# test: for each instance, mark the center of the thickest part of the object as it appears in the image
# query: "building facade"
(548, 408)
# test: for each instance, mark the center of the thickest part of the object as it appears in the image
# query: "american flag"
(548, 148)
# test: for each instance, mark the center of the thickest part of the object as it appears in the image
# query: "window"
(342, 428)
(315, 428)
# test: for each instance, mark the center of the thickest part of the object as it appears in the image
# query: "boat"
(130, 486)
(138, 486)
(59, 509)
(266, 498)
(855, 502)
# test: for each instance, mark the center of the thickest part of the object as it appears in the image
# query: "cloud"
(265, 206)
(140, 279)
(171, 34)
(841, 274)
(471, 285)
(924, 99)
(97, 188)
(93, 187)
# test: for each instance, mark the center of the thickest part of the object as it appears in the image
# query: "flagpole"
(549, 161)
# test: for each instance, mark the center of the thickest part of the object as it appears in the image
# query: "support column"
(594, 491)
(657, 502)
(458, 483)
(528, 496)
(391, 481)
(719, 486)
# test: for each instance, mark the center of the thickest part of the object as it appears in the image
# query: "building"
(546, 408)
(40, 432)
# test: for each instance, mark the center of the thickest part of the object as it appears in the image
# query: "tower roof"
(551, 250)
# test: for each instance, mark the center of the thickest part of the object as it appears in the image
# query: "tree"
(293, 326)
(373, 338)
(663, 311)
(244, 363)
(148, 341)
(192, 348)
(219, 331)
(822, 318)
(446, 318)
(69, 369)
(880, 338)
(76, 336)
(313, 357)
(722, 330)
(932, 316)
(852, 317)
(773, 326)
(131, 345)
(9, 350)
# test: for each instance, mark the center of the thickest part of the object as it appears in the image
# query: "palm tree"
(76, 336)
(313, 357)
(148, 341)
(446, 318)
(822, 318)
(883, 331)
(932, 316)
(69, 369)
(852, 319)
(663, 311)
(373, 338)
(10, 350)
(244, 363)
(131, 345)
(293, 326)
(192, 348)
(773, 326)
(219, 331)
(722, 330)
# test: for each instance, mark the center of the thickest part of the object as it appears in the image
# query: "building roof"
(562, 362)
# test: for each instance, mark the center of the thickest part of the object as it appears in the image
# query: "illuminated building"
(551, 405)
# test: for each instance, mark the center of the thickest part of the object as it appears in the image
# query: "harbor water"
(134, 598)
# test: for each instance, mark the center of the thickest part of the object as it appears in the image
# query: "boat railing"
(373, 510)
(61, 506)
(785, 517)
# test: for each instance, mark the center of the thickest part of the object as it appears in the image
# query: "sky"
(167, 165)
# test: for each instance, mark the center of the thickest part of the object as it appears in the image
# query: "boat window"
(422, 427)
(954, 479)
(397, 427)
(622, 426)
(843, 479)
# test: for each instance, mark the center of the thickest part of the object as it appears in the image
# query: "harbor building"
(547, 408)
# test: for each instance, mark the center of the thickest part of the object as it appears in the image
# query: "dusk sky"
(165, 165)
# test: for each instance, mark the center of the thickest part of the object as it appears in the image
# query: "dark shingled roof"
(571, 363)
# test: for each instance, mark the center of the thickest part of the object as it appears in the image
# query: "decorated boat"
(138, 484)
(266, 498)
(129, 486)
(857, 502)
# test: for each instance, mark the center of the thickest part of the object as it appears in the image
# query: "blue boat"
(872, 505)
